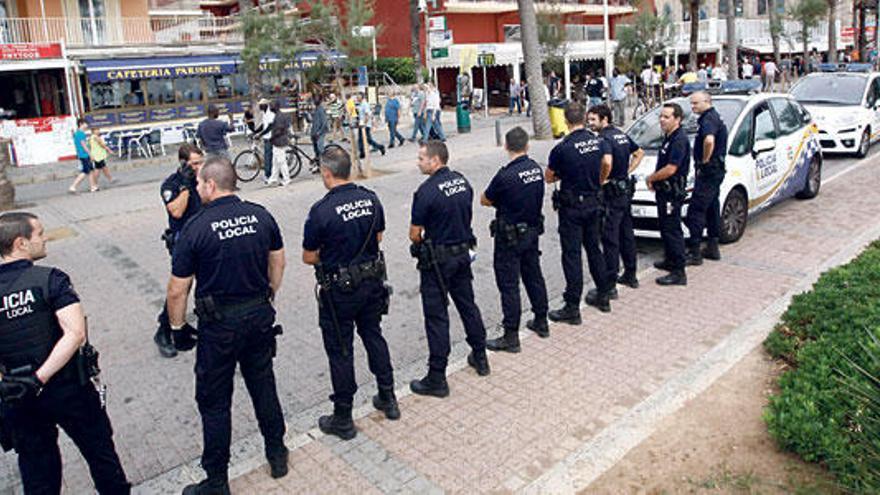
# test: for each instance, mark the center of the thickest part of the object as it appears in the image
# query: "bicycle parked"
(249, 163)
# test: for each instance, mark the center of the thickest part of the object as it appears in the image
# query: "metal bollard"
(497, 132)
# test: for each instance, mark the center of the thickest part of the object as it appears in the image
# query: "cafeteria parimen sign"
(29, 51)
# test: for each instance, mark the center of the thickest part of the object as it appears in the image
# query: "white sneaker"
(284, 183)
(271, 182)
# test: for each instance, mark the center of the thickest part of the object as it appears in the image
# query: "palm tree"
(775, 28)
(532, 55)
(694, 9)
(732, 59)
(832, 30)
(415, 27)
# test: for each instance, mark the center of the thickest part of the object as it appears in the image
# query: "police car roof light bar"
(747, 86)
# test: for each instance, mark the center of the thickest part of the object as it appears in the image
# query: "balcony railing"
(750, 32)
(101, 31)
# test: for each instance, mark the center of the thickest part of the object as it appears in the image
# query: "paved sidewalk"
(543, 419)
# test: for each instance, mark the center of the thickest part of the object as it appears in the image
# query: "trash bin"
(557, 117)
(463, 118)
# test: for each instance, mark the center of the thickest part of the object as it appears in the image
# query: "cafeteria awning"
(159, 67)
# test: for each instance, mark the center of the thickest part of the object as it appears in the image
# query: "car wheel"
(814, 180)
(734, 215)
(864, 144)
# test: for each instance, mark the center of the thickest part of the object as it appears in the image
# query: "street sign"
(363, 78)
(437, 23)
(486, 59)
(440, 39)
(439, 52)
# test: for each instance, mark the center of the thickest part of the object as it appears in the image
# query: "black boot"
(593, 293)
(339, 423)
(629, 279)
(599, 300)
(278, 462)
(663, 265)
(386, 402)
(479, 362)
(433, 384)
(711, 251)
(694, 256)
(539, 326)
(163, 341)
(675, 277)
(509, 342)
(213, 485)
(570, 313)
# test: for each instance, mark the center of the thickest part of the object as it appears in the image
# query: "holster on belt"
(210, 309)
(616, 188)
(510, 234)
(168, 237)
(349, 278)
(430, 255)
(570, 199)
(674, 188)
(713, 169)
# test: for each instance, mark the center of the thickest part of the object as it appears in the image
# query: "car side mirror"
(763, 146)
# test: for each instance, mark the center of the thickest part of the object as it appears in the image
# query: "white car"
(772, 154)
(845, 107)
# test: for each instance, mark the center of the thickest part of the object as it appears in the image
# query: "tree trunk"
(832, 31)
(415, 23)
(532, 56)
(863, 41)
(774, 29)
(732, 59)
(694, 7)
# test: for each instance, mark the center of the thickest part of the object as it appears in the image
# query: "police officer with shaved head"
(517, 194)
(341, 239)
(234, 251)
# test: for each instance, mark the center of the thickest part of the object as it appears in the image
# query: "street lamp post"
(609, 64)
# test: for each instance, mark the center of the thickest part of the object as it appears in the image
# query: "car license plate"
(639, 211)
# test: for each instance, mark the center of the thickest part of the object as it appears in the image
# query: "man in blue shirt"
(440, 230)
(234, 252)
(392, 117)
(212, 133)
(517, 194)
(577, 162)
(341, 239)
(618, 85)
(704, 210)
(81, 143)
(669, 182)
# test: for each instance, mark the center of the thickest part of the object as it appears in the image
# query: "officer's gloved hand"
(19, 387)
(188, 175)
(184, 338)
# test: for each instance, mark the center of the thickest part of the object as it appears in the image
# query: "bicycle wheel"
(294, 163)
(248, 165)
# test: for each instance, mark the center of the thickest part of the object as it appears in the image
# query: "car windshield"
(831, 89)
(646, 131)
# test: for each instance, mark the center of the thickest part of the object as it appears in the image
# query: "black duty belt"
(210, 308)
(349, 278)
(570, 199)
(509, 234)
(615, 188)
(430, 254)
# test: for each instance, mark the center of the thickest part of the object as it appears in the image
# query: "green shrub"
(826, 335)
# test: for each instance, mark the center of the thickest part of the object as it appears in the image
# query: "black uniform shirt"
(710, 125)
(443, 205)
(61, 293)
(338, 226)
(622, 148)
(577, 161)
(226, 246)
(517, 192)
(676, 150)
(594, 88)
(171, 188)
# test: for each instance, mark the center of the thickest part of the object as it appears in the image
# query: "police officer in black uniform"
(45, 382)
(669, 182)
(442, 239)
(704, 210)
(181, 203)
(618, 239)
(234, 250)
(577, 162)
(517, 193)
(341, 238)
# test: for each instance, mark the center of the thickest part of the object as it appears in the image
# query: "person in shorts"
(81, 143)
(99, 151)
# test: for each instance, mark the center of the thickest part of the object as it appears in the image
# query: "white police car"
(845, 103)
(772, 154)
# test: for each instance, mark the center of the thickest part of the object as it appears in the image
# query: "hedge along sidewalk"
(553, 417)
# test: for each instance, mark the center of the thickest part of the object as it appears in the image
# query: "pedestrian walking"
(81, 144)
(418, 101)
(669, 182)
(619, 83)
(234, 252)
(513, 90)
(442, 239)
(433, 114)
(264, 132)
(704, 210)
(769, 75)
(365, 122)
(99, 152)
(517, 194)
(319, 128)
(594, 89)
(341, 239)
(392, 117)
(212, 133)
(334, 114)
(577, 162)
(42, 387)
(279, 138)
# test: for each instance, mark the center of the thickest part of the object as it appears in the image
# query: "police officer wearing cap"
(577, 162)
(669, 182)
(234, 250)
(618, 239)
(341, 239)
(442, 238)
(46, 383)
(181, 203)
(517, 194)
(704, 209)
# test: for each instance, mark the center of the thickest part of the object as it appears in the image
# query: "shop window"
(188, 90)
(240, 84)
(219, 87)
(116, 94)
(762, 7)
(160, 91)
